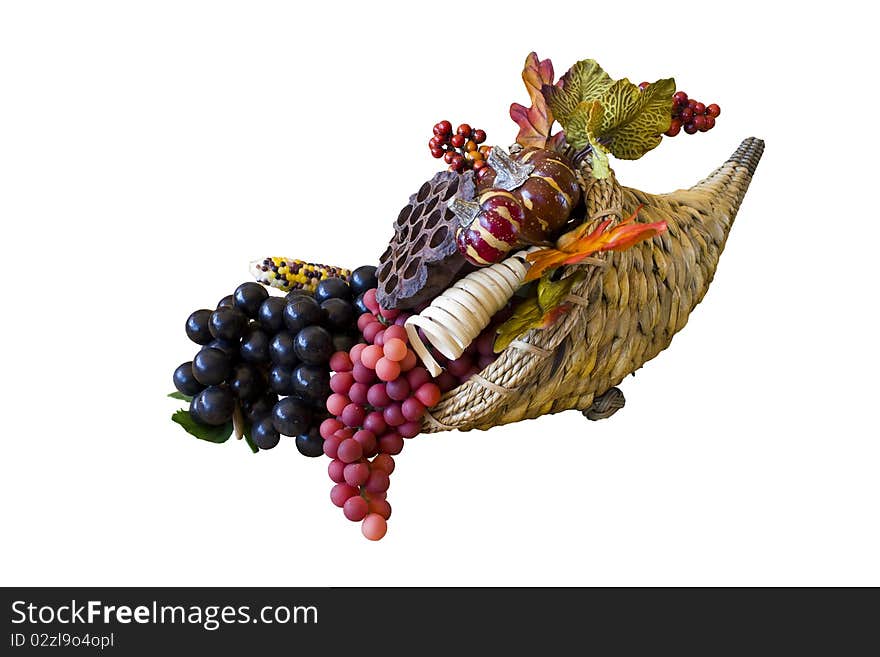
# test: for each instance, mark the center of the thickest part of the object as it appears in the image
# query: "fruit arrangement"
(518, 282)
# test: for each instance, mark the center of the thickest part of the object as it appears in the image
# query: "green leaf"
(552, 293)
(632, 121)
(599, 157)
(180, 396)
(250, 441)
(545, 305)
(526, 316)
(584, 82)
(211, 434)
(577, 125)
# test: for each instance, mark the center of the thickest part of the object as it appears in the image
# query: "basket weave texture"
(625, 311)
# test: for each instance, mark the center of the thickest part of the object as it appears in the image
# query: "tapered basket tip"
(748, 154)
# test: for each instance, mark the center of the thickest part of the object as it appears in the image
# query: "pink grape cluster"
(379, 396)
(380, 393)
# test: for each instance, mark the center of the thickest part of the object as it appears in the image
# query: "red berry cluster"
(691, 115)
(461, 150)
(380, 395)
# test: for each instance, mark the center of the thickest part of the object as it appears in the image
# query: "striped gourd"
(532, 196)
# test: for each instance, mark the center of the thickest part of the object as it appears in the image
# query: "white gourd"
(455, 318)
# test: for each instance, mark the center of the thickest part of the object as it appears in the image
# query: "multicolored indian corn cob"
(289, 274)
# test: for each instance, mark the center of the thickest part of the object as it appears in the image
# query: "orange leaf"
(575, 246)
(623, 237)
(535, 121)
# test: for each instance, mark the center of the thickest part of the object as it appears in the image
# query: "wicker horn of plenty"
(625, 312)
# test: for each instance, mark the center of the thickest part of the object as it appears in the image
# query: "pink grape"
(413, 410)
(377, 396)
(355, 352)
(398, 390)
(429, 394)
(336, 470)
(375, 423)
(329, 427)
(417, 377)
(367, 440)
(409, 361)
(394, 349)
(379, 339)
(331, 444)
(381, 507)
(353, 415)
(340, 362)
(410, 429)
(393, 415)
(383, 462)
(485, 343)
(371, 330)
(390, 443)
(387, 370)
(362, 373)
(365, 320)
(446, 381)
(395, 331)
(358, 393)
(336, 403)
(341, 382)
(341, 492)
(389, 314)
(460, 365)
(371, 355)
(356, 474)
(467, 375)
(355, 508)
(377, 482)
(349, 451)
(401, 319)
(374, 527)
(370, 300)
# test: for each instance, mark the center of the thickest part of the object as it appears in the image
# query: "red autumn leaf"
(534, 122)
(552, 315)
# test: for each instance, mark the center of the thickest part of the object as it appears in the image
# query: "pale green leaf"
(584, 82)
(632, 121)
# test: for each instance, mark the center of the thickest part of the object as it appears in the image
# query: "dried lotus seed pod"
(422, 259)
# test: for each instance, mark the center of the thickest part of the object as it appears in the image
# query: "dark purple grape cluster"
(265, 359)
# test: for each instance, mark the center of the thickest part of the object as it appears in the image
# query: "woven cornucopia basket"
(626, 309)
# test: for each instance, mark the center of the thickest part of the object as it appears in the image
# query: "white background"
(149, 151)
